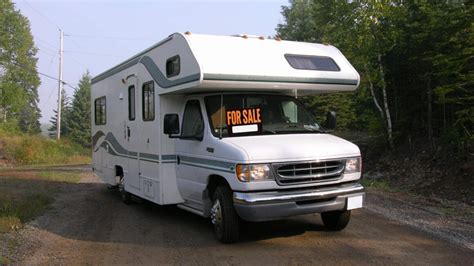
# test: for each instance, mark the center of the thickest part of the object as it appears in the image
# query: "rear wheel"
(126, 197)
(223, 216)
(336, 220)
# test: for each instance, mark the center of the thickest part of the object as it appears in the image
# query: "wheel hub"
(216, 213)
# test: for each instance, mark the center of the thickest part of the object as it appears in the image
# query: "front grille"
(306, 172)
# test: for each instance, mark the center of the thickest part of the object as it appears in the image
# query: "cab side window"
(193, 123)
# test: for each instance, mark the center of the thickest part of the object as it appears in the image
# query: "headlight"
(253, 172)
(353, 165)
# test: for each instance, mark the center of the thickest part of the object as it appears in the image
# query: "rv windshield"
(258, 114)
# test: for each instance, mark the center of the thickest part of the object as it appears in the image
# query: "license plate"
(354, 202)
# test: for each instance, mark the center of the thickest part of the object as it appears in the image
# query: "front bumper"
(274, 205)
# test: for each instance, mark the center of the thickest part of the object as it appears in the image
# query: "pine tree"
(65, 110)
(79, 120)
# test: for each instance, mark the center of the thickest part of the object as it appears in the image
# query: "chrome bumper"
(273, 205)
(276, 196)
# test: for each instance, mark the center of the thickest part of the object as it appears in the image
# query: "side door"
(132, 136)
(190, 149)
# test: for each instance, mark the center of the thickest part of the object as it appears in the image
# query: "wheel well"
(118, 171)
(213, 183)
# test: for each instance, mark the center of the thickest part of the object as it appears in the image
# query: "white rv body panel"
(261, 64)
(169, 170)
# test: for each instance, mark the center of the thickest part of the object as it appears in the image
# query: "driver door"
(189, 149)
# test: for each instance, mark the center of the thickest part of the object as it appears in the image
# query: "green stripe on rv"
(128, 63)
(113, 147)
(252, 78)
(160, 78)
(208, 163)
(154, 71)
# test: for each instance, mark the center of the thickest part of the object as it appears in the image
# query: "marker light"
(253, 172)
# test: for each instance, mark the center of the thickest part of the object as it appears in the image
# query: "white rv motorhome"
(213, 125)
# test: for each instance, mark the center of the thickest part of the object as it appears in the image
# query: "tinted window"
(131, 103)
(193, 124)
(148, 101)
(100, 111)
(173, 66)
(312, 62)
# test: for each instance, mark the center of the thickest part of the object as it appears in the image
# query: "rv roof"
(240, 58)
(245, 62)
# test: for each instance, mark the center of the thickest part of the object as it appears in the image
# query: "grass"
(20, 149)
(25, 195)
(37, 150)
(70, 177)
(379, 184)
(3, 261)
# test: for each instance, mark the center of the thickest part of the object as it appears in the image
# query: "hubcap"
(216, 214)
(121, 186)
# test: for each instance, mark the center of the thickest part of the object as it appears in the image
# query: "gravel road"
(88, 224)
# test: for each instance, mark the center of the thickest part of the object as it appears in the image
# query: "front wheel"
(223, 216)
(336, 220)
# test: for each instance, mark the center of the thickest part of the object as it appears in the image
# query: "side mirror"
(171, 124)
(330, 123)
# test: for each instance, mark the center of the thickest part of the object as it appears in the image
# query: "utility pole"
(60, 85)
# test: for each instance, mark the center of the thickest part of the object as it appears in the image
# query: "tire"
(224, 217)
(336, 220)
(126, 197)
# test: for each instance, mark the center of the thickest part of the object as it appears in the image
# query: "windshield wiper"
(307, 128)
(269, 131)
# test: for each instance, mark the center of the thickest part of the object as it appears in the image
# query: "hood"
(294, 147)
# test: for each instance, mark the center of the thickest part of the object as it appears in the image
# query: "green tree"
(415, 60)
(314, 21)
(19, 79)
(65, 113)
(79, 120)
(435, 81)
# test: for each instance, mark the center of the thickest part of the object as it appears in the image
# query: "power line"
(89, 53)
(45, 49)
(43, 16)
(49, 98)
(73, 41)
(45, 43)
(78, 62)
(108, 37)
(42, 74)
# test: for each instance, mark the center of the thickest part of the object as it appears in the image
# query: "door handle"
(128, 133)
(178, 160)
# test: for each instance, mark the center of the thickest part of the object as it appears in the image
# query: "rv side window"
(100, 111)
(148, 101)
(173, 66)
(193, 123)
(322, 63)
(131, 103)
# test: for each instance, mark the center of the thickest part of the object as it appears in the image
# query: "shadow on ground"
(90, 217)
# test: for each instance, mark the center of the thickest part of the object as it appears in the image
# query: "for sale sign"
(244, 121)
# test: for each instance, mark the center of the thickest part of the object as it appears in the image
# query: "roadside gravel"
(448, 220)
(87, 224)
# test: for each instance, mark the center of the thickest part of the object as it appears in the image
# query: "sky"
(102, 33)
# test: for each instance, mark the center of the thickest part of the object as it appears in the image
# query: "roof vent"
(247, 36)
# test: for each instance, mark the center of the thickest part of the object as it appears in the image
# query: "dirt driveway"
(88, 224)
